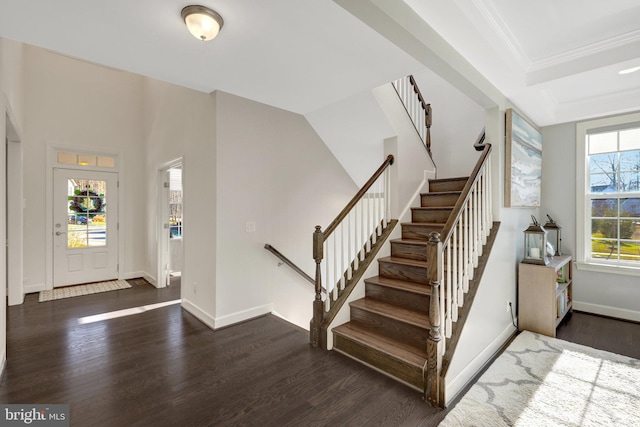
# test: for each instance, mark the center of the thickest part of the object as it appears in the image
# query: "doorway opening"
(170, 222)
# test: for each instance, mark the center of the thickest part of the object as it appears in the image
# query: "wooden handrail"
(464, 197)
(334, 224)
(416, 89)
(423, 129)
(479, 145)
(289, 263)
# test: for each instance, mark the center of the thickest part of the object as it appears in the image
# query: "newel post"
(432, 380)
(318, 309)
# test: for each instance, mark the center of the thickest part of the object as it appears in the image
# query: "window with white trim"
(608, 193)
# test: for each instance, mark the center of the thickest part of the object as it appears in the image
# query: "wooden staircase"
(389, 327)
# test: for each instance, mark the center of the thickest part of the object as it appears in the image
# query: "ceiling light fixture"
(629, 70)
(202, 22)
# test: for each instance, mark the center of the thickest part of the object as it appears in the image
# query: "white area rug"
(541, 381)
(79, 290)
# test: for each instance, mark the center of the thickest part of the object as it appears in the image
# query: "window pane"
(630, 139)
(86, 160)
(630, 208)
(67, 158)
(630, 161)
(604, 173)
(604, 249)
(77, 238)
(106, 162)
(604, 207)
(630, 250)
(607, 228)
(87, 218)
(603, 142)
(603, 183)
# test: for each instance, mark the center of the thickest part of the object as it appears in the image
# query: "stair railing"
(343, 246)
(452, 256)
(287, 261)
(418, 110)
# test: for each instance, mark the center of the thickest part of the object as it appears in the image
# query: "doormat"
(79, 290)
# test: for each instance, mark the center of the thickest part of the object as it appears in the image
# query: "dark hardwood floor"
(600, 332)
(163, 367)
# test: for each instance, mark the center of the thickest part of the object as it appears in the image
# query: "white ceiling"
(298, 55)
(556, 60)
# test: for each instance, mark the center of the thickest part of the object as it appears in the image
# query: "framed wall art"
(523, 157)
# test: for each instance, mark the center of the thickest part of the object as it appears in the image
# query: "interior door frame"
(162, 217)
(15, 219)
(52, 162)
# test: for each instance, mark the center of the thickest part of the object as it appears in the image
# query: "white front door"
(85, 226)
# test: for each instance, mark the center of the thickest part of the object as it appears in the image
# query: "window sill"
(609, 269)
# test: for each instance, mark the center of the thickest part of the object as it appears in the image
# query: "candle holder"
(554, 231)
(535, 244)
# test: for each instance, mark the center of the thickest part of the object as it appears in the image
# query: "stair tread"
(400, 284)
(440, 193)
(426, 208)
(410, 242)
(369, 337)
(425, 224)
(419, 319)
(403, 261)
(460, 178)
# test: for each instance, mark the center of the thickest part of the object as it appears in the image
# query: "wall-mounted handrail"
(348, 243)
(287, 261)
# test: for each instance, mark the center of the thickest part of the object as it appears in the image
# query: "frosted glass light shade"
(202, 22)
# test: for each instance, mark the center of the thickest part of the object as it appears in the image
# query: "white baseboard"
(31, 289)
(202, 315)
(230, 319)
(455, 385)
(241, 316)
(605, 310)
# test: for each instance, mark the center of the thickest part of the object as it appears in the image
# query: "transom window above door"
(83, 159)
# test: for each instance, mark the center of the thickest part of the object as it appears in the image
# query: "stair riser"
(455, 185)
(404, 332)
(403, 272)
(417, 232)
(434, 215)
(436, 199)
(403, 250)
(398, 297)
(396, 368)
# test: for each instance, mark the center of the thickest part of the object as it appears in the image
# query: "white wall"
(272, 169)
(489, 324)
(353, 129)
(609, 294)
(11, 96)
(84, 106)
(456, 123)
(180, 123)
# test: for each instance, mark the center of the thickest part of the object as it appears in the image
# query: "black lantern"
(535, 244)
(554, 234)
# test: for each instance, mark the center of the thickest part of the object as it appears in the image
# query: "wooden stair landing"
(389, 327)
